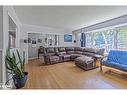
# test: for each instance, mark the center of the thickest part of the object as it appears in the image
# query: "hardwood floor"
(67, 76)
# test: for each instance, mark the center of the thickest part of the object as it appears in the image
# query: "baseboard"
(32, 58)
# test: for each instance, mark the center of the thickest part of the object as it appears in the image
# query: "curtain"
(83, 40)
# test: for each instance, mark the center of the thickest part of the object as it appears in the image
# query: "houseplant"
(15, 65)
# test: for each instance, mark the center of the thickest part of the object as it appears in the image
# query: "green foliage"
(122, 36)
(15, 67)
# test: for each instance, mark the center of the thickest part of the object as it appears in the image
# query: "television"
(67, 38)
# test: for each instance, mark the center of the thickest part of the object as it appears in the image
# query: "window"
(109, 39)
(122, 38)
(12, 33)
(89, 41)
(98, 40)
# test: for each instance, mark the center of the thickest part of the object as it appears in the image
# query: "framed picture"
(34, 42)
(39, 40)
(67, 38)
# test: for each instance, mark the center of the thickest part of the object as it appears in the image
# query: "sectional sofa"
(61, 54)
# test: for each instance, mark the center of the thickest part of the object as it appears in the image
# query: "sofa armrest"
(46, 58)
(104, 59)
(57, 53)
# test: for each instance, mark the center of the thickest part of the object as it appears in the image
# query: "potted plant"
(15, 66)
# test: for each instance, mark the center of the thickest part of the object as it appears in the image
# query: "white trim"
(45, 33)
(8, 11)
(106, 28)
(32, 58)
(48, 28)
(38, 33)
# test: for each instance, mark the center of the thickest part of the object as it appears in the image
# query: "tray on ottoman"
(85, 62)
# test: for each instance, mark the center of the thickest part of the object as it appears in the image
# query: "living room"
(64, 47)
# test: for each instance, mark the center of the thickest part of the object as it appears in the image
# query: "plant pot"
(20, 82)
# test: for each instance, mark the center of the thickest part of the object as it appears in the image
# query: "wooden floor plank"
(67, 76)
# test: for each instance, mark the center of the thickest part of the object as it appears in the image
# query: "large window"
(122, 38)
(109, 39)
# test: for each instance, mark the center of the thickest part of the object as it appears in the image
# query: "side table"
(99, 59)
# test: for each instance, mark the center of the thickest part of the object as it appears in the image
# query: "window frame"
(115, 36)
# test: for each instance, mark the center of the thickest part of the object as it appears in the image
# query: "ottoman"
(85, 62)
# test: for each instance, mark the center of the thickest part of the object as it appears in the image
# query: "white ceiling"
(67, 17)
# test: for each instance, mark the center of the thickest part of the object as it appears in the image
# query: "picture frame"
(34, 42)
(67, 38)
(39, 40)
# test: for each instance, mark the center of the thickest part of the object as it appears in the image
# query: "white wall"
(1, 67)
(33, 51)
(77, 38)
(1, 27)
(1, 40)
(25, 29)
(8, 10)
(22, 33)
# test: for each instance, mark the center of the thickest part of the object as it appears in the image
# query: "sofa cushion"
(70, 52)
(93, 50)
(119, 66)
(118, 56)
(69, 48)
(67, 55)
(62, 53)
(50, 50)
(78, 49)
(54, 58)
(91, 54)
(79, 55)
(84, 59)
(78, 52)
(61, 49)
(50, 54)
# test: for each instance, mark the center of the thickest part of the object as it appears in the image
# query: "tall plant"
(15, 66)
